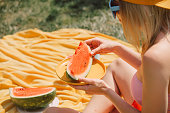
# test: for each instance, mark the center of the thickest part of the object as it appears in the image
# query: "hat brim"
(164, 4)
(159, 3)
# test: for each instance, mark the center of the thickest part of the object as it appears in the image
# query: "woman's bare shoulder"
(159, 54)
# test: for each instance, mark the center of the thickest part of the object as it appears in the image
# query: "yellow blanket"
(29, 58)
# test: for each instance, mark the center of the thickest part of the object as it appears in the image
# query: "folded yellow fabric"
(29, 59)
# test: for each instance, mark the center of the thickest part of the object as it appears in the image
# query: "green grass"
(51, 15)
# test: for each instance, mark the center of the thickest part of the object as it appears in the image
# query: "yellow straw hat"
(159, 3)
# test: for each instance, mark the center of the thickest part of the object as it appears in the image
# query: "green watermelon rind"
(72, 79)
(75, 79)
(34, 103)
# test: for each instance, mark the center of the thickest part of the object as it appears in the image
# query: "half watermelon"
(80, 63)
(32, 98)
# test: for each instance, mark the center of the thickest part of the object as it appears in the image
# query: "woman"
(142, 78)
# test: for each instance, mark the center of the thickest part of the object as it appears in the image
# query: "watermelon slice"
(32, 98)
(80, 63)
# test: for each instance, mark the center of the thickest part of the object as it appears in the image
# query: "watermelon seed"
(72, 72)
(21, 89)
(85, 64)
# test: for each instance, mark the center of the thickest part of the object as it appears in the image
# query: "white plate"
(54, 103)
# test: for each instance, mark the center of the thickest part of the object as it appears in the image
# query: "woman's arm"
(130, 56)
(100, 46)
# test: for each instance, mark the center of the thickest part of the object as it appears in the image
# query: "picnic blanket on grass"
(29, 59)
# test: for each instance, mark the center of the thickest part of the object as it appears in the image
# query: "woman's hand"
(101, 46)
(93, 87)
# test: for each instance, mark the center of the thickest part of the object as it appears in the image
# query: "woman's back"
(158, 73)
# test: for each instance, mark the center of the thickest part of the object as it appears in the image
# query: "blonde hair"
(142, 24)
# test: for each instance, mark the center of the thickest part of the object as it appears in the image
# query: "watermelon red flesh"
(25, 92)
(80, 62)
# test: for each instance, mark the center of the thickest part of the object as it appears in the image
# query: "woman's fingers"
(93, 42)
(80, 87)
(96, 51)
(86, 80)
(89, 41)
(93, 86)
(84, 87)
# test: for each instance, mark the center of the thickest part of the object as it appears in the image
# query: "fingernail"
(79, 77)
(97, 56)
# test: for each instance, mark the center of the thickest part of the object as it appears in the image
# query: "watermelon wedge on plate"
(32, 98)
(80, 63)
